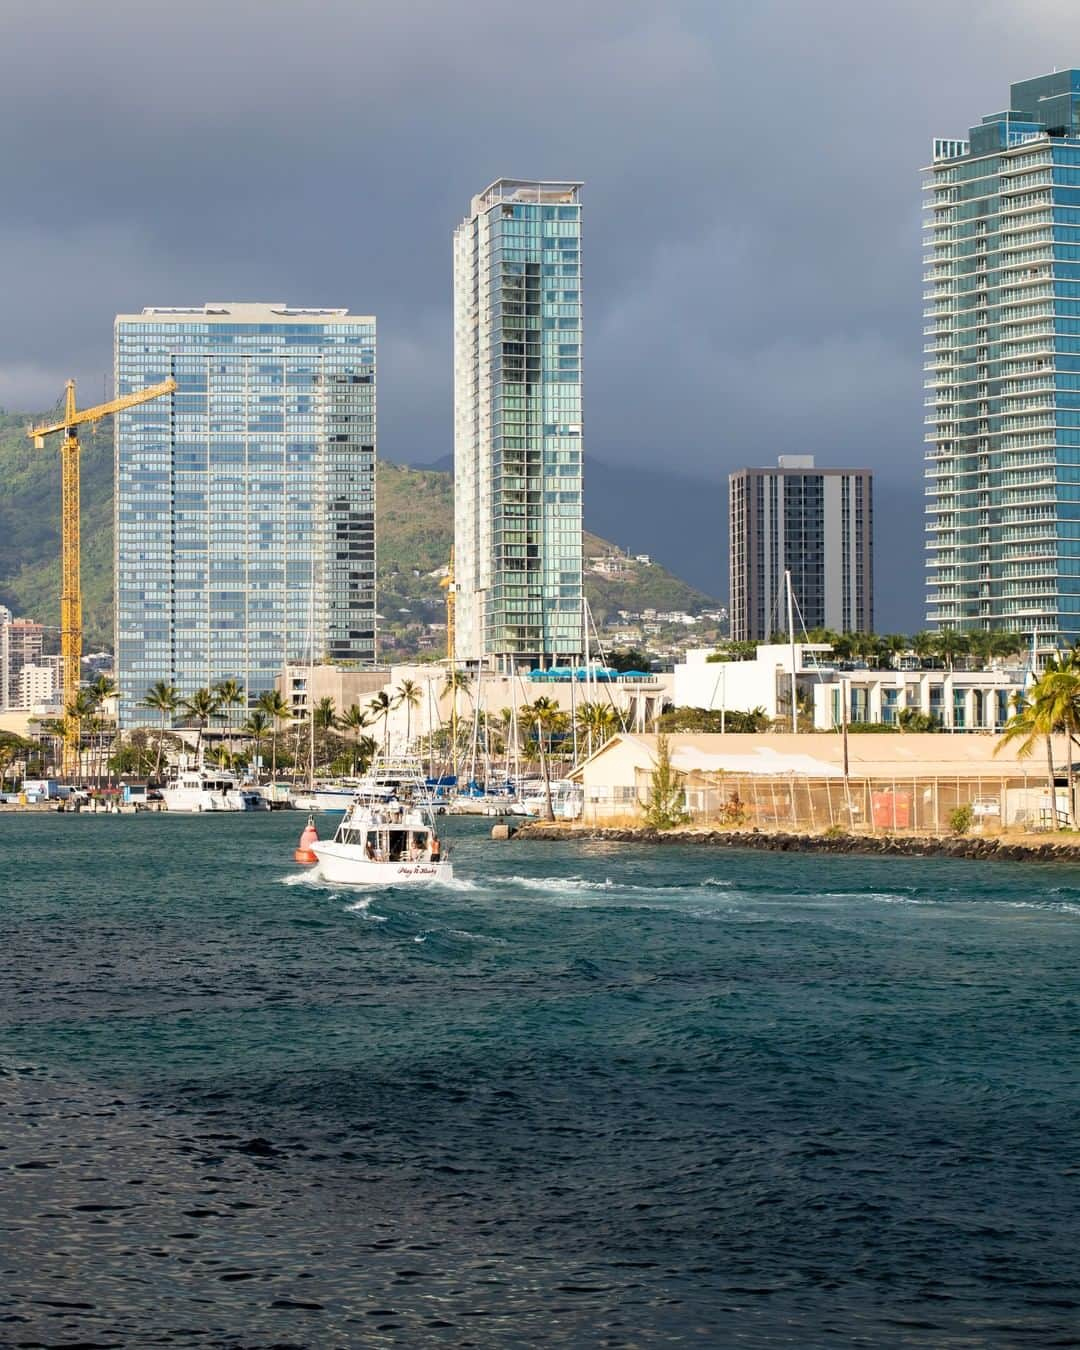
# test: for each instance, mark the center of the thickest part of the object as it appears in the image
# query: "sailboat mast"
(791, 641)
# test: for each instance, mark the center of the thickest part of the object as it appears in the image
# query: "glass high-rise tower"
(244, 501)
(1003, 368)
(518, 427)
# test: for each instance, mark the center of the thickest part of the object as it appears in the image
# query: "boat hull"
(346, 865)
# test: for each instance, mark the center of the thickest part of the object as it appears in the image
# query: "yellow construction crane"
(71, 625)
(448, 585)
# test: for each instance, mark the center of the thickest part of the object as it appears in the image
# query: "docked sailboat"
(388, 835)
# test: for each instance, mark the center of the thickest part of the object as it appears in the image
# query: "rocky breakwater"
(944, 846)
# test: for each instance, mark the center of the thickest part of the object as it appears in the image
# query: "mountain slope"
(415, 533)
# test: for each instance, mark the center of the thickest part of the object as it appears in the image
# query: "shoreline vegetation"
(1003, 847)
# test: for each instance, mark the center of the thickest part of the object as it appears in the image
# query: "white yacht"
(388, 835)
(197, 790)
(324, 797)
(567, 799)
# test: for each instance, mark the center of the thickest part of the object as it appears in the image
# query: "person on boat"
(369, 851)
(434, 848)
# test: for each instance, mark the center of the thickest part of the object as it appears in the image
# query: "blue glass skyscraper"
(518, 426)
(1003, 368)
(245, 501)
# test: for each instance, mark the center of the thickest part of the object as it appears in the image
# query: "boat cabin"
(389, 843)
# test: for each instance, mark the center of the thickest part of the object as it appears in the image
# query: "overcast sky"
(752, 226)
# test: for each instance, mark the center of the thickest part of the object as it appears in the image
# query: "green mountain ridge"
(415, 534)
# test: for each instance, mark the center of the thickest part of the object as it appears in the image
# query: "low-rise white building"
(958, 700)
(742, 686)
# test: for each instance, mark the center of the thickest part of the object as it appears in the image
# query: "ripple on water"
(610, 1097)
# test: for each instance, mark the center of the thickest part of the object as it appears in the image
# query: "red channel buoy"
(304, 852)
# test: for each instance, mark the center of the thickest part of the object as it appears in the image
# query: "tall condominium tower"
(518, 426)
(245, 501)
(816, 524)
(21, 645)
(1003, 368)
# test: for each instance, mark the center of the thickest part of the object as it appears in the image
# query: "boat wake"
(362, 908)
(311, 878)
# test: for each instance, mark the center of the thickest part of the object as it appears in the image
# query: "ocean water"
(591, 1095)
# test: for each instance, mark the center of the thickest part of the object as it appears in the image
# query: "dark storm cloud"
(753, 242)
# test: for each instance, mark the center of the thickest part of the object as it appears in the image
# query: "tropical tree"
(914, 719)
(598, 723)
(79, 714)
(353, 721)
(272, 703)
(230, 694)
(545, 715)
(163, 699)
(456, 681)
(364, 752)
(103, 688)
(924, 644)
(891, 647)
(949, 644)
(256, 729)
(200, 707)
(381, 706)
(326, 718)
(1052, 704)
(408, 696)
(665, 806)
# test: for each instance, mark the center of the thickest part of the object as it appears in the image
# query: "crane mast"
(451, 606)
(71, 620)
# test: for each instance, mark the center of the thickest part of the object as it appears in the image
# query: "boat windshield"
(388, 845)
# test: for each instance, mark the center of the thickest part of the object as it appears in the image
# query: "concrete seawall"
(950, 846)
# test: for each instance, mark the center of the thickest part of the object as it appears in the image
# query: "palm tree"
(78, 713)
(103, 688)
(353, 721)
(326, 718)
(230, 694)
(382, 705)
(366, 747)
(200, 707)
(892, 646)
(1060, 688)
(598, 723)
(1006, 644)
(923, 644)
(408, 694)
(949, 643)
(546, 716)
(272, 703)
(164, 699)
(1052, 704)
(255, 730)
(455, 681)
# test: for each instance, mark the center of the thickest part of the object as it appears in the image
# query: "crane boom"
(74, 418)
(71, 624)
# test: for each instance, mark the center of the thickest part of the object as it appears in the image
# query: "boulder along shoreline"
(950, 846)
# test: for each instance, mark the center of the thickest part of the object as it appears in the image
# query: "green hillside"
(415, 532)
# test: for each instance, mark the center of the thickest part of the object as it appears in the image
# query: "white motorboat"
(567, 799)
(197, 790)
(324, 799)
(388, 835)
